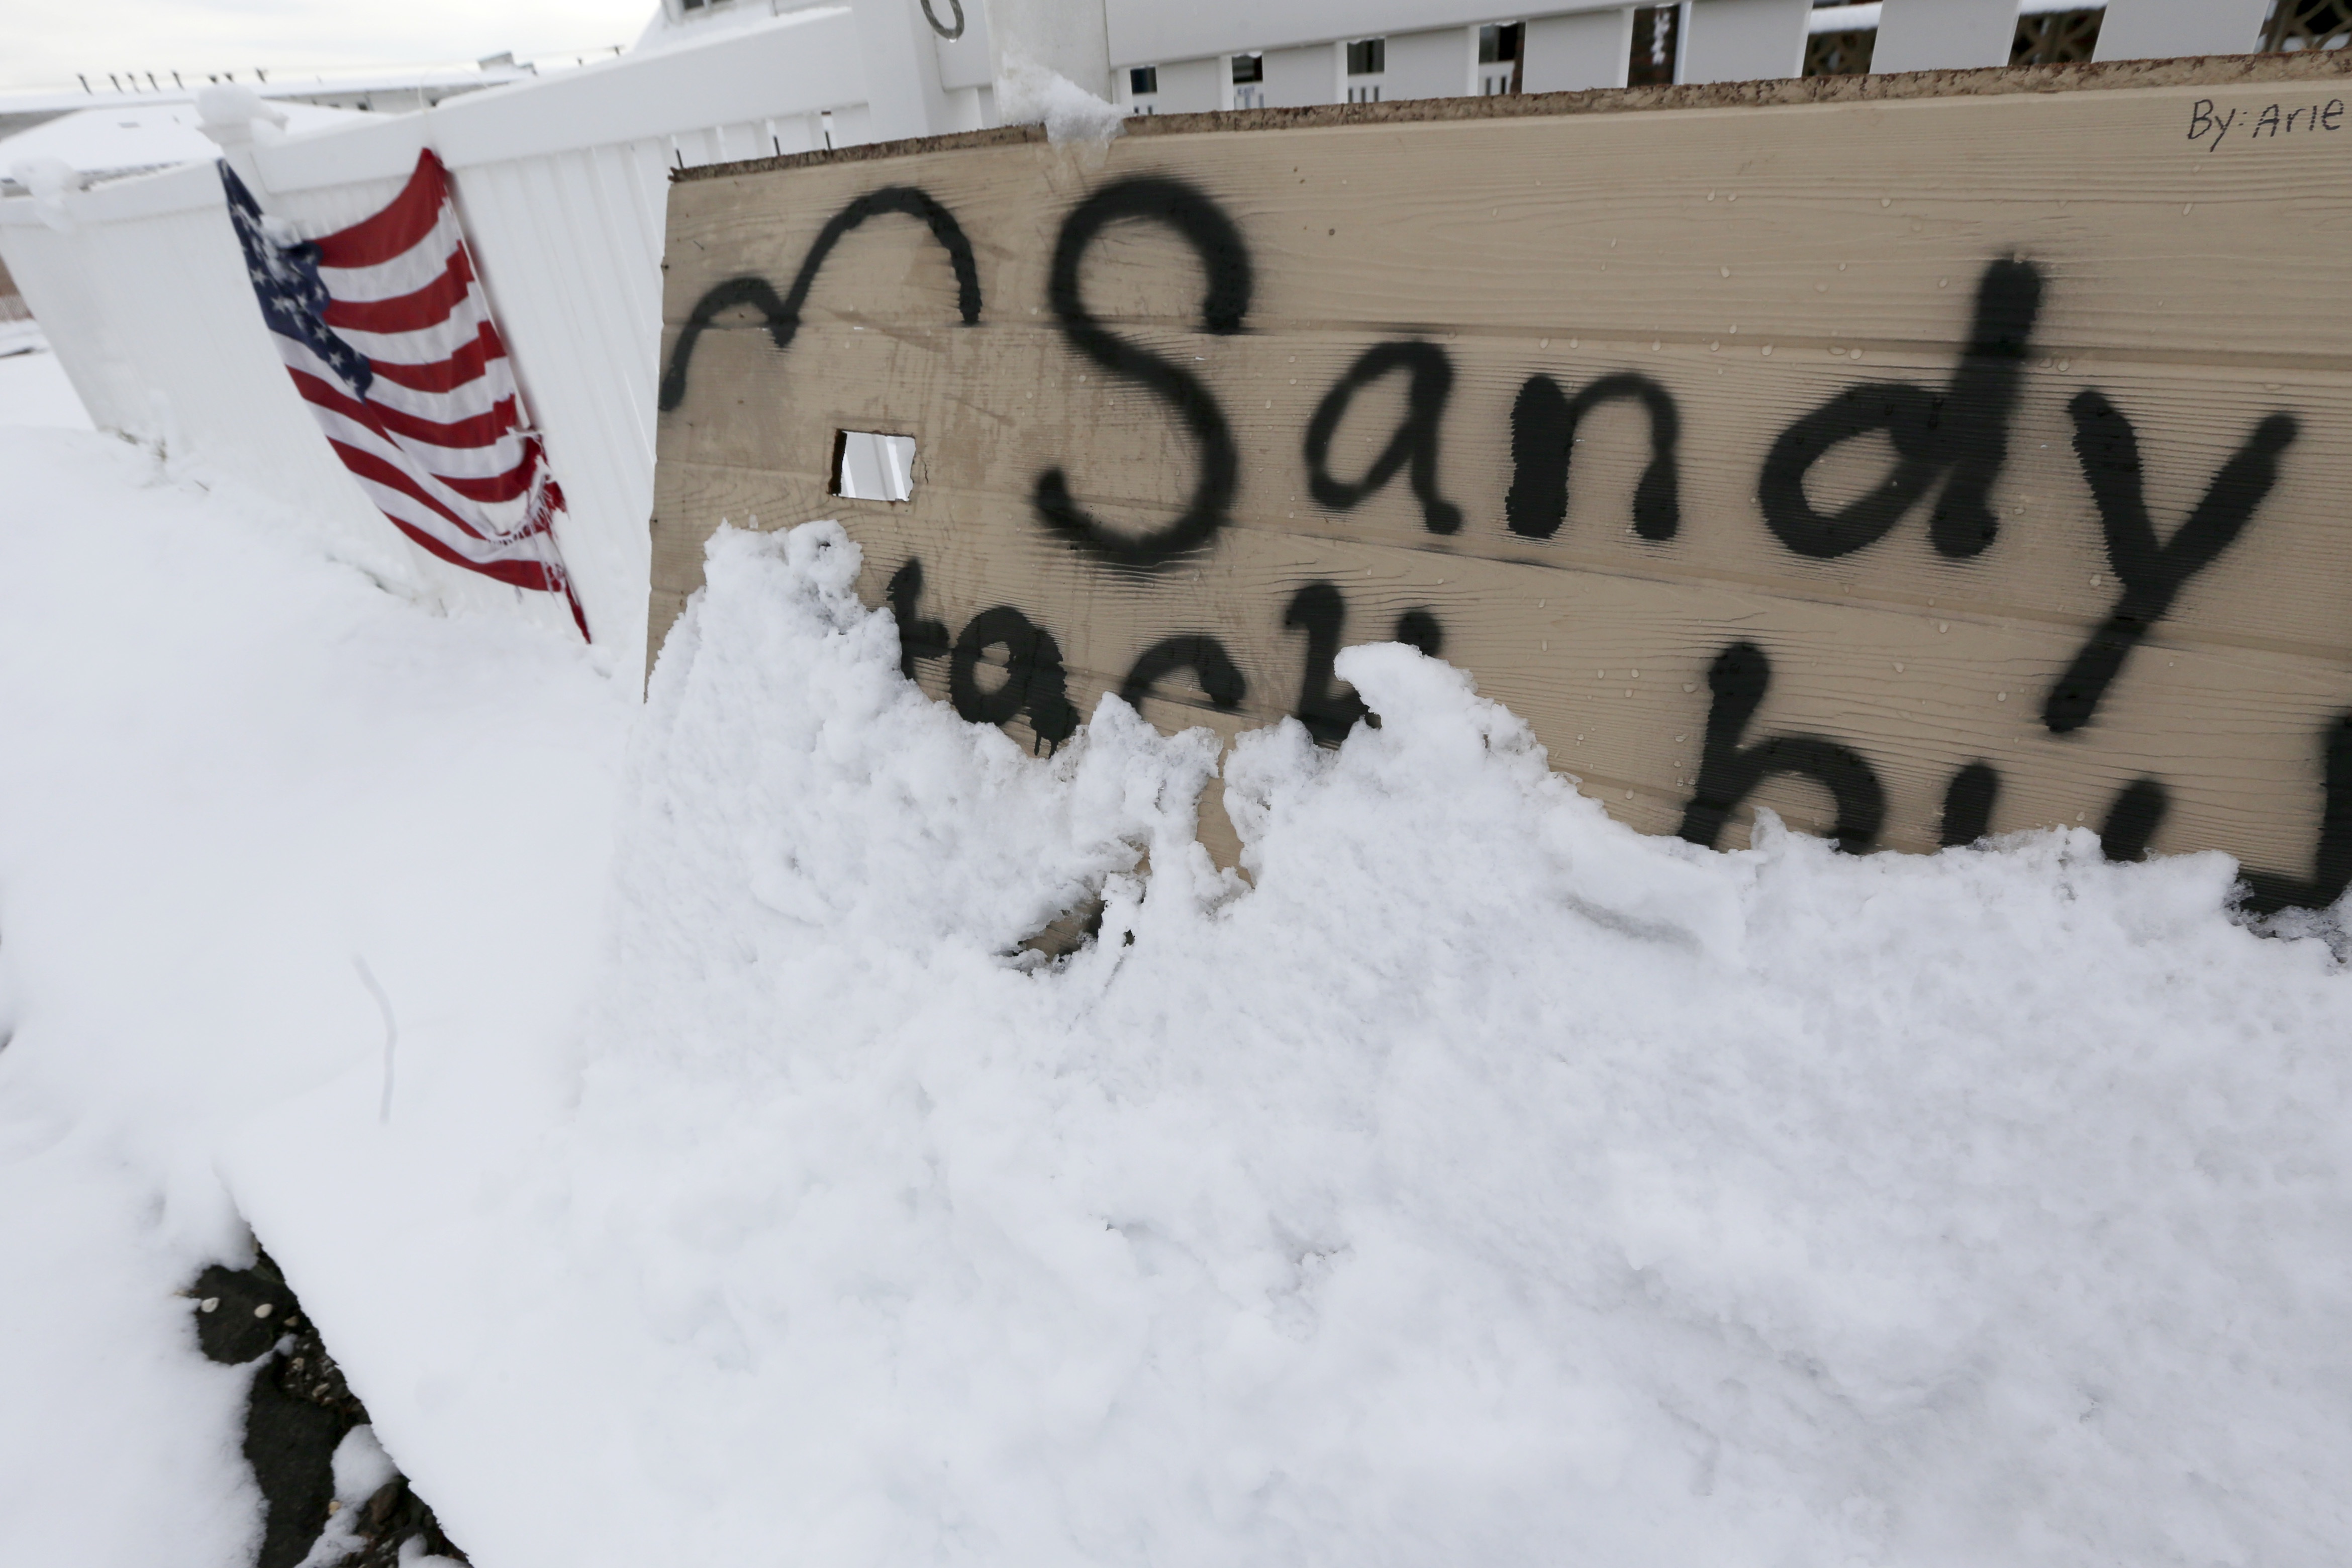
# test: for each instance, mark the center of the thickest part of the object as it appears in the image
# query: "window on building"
(1368, 57)
(1500, 45)
(1657, 37)
(1143, 80)
(1249, 74)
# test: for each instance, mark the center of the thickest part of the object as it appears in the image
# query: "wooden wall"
(1914, 465)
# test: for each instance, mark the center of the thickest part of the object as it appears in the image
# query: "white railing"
(562, 184)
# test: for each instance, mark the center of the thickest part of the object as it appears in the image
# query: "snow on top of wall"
(141, 133)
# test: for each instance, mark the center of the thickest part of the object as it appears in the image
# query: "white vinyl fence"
(562, 187)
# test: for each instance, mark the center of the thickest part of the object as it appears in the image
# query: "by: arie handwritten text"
(2213, 126)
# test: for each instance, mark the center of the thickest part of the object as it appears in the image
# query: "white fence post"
(1571, 54)
(1441, 62)
(2156, 29)
(1744, 40)
(1944, 35)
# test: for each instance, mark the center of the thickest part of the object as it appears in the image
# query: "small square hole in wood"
(870, 465)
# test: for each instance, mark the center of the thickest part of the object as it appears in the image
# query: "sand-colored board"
(1917, 463)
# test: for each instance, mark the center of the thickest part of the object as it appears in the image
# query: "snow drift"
(1474, 1181)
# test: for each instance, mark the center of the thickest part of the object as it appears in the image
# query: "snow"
(230, 766)
(1470, 1181)
(361, 1466)
(1028, 93)
(140, 134)
(1037, 48)
(33, 390)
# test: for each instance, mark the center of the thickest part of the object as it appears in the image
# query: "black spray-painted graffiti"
(1543, 437)
(784, 315)
(1220, 678)
(1226, 259)
(1035, 682)
(1728, 772)
(1319, 613)
(1950, 444)
(1430, 379)
(1958, 436)
(2151, 572)
(2331, 860)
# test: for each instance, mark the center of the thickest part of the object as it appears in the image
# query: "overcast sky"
(44, 42)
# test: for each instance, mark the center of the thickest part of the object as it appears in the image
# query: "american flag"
(385, 328)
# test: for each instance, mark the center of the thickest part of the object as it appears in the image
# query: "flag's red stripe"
(412, 311)
(485, 488)
(497, 487)
(480, 430)
(369, 465)
(327, 395)
(514, 482)
(445, 374)
(532, 574)
(373, 241)
(521, 574)
(399, 229)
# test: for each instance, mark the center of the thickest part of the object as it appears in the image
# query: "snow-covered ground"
(33, 390)
(1478, 1182)
(229, 766)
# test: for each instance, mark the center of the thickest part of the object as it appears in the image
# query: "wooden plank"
(1845, 212)
(2049, 561)
(1887, 413)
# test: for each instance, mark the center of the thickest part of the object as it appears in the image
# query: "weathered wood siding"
(1937, 463)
